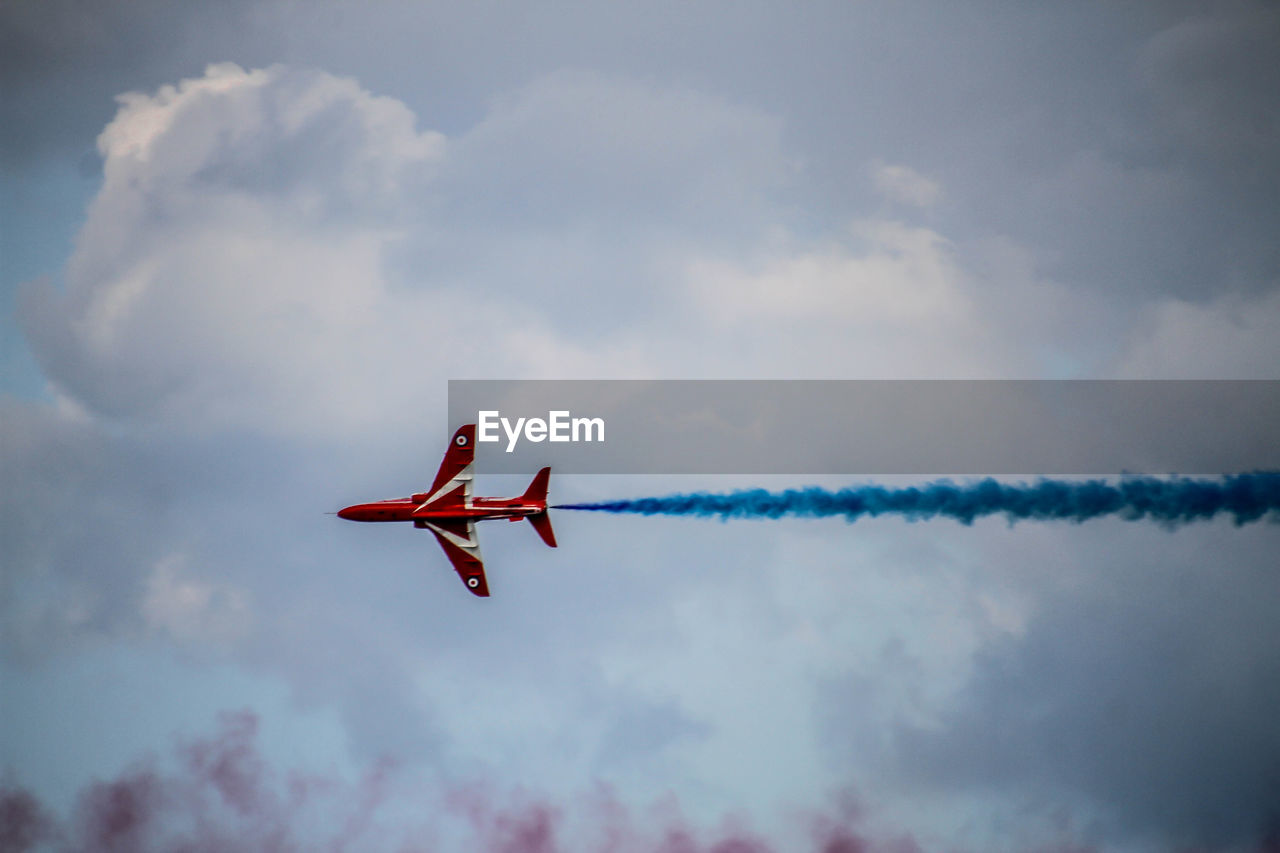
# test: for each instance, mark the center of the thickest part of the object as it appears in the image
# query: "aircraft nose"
(348, 513)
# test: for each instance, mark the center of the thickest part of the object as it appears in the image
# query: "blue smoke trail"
(1244, 497)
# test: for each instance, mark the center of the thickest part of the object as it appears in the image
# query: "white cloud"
(193, 610)
(889, 301)
(1231, 338)
(229, 271)
(904, 185)
(143, 119)
(252, 259)
(283, 251)
(904, 275)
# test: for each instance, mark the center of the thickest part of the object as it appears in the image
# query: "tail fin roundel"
(452, 485)
(458, 457)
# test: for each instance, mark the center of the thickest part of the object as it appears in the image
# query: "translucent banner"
(928, 427)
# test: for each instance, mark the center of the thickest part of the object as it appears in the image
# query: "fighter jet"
(450, 512)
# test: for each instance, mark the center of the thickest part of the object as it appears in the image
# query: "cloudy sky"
(245, 246)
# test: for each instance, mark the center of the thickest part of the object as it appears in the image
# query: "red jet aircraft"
(450, 512)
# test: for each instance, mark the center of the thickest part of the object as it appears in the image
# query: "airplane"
(450, 512)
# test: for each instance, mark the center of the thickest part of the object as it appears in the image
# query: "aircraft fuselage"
(414, 508)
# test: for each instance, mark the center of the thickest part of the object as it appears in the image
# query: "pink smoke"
(23, 822)
(220, 794)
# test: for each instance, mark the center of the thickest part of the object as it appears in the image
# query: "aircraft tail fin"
(537, 493)
(542, 523)
(537, 490)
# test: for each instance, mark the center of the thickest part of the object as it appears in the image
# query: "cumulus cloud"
(232, 254)
(264, 239)
(282, 249)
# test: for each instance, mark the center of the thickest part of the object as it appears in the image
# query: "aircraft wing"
(452, 485)
(458, 539)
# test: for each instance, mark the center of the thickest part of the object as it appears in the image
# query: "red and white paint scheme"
(450, 512)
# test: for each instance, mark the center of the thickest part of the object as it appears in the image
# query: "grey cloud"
(1214, 81)
(362, 621)
(76, 509)
(89, 516)
(574, 148)
(1215, 78)
(641, 730)
(63, 63)
(1144, 695)
(576, 193)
